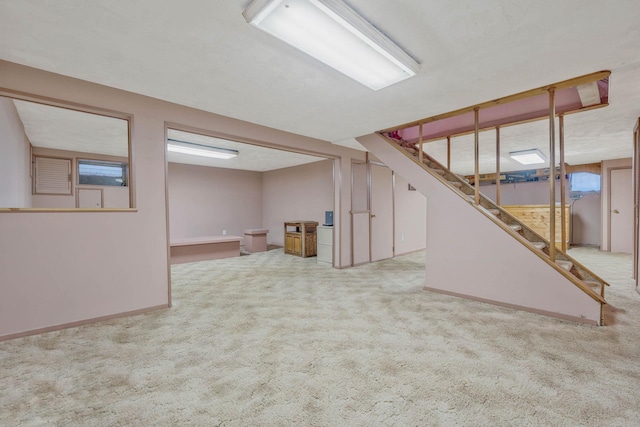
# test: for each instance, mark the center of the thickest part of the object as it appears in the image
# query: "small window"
(98, 172)
(585, 181)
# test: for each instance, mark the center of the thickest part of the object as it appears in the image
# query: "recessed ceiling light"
(185, 147)
(528, 157)
(335, 34)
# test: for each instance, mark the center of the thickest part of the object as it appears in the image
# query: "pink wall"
(297, 193)
(469, 255)
(66, 267)
(114, 197)
(586, 216)
(410, 218)
(203, 201)
(15, 162)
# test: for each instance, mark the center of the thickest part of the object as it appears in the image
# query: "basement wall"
(302, 192)
(71, 267)
(113, 197)
(410, 218)
(204, 201)
(15, 161)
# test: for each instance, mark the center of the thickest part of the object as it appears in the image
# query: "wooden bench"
(204, 248)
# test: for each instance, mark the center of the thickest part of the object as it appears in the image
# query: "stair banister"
(552, 174)
(498, 165)
(476, 154)
(420, 155)
(563, 185)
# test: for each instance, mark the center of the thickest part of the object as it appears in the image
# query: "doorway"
(372, 212)
(360, 213)
(636, 199)
(381, 212)
(621, 205)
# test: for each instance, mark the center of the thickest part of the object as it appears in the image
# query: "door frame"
(635, 177)
(371, 213)
(609, 200)
(367, 211)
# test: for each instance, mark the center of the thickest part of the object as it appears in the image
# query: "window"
(52, 176)
(585, 181)
(98, 172)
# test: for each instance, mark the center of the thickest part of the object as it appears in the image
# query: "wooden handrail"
(552, 173)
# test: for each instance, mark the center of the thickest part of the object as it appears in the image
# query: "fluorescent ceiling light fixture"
(528, 157)
(335, 34)
(184, 147)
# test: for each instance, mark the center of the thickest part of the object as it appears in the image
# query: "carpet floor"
(275, 340)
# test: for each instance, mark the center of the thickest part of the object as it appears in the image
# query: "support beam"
(476, 151)
(449, 152)
(563, 186)
(498, 165)
(420, 155)
(552, 175)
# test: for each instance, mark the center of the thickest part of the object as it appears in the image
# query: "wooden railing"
(497, 105)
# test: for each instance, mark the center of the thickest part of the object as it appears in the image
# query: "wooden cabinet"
(300, 238)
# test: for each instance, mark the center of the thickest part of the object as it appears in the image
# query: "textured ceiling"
(202, 53)
(250, 157)
(64, 129)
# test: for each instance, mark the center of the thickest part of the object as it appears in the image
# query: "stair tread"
(438, 171)
(494, 211)
(539, 245)
(515, 227)
(456, 184)
(565, 265)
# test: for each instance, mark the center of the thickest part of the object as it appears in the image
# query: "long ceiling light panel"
(184, 147)
(335, 34)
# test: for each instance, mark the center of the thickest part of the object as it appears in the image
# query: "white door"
(359, 214)
(89, 198)
(381, 212)
(621, 216)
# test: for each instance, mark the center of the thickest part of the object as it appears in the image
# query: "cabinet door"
(288, 244)
(297, 245)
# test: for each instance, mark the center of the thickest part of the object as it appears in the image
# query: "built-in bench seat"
(204, 248)
(255, 240)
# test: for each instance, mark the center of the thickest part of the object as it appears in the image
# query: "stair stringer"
(467, 255)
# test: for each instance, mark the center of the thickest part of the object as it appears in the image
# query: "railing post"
(552, 175)
(420, 156)
(476, 150)
(498, 165)
(563, 185)
(449, 152)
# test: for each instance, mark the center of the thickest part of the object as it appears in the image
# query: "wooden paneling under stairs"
(536, 217)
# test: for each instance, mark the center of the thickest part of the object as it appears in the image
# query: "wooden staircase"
(581, 276)
(507, 263)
